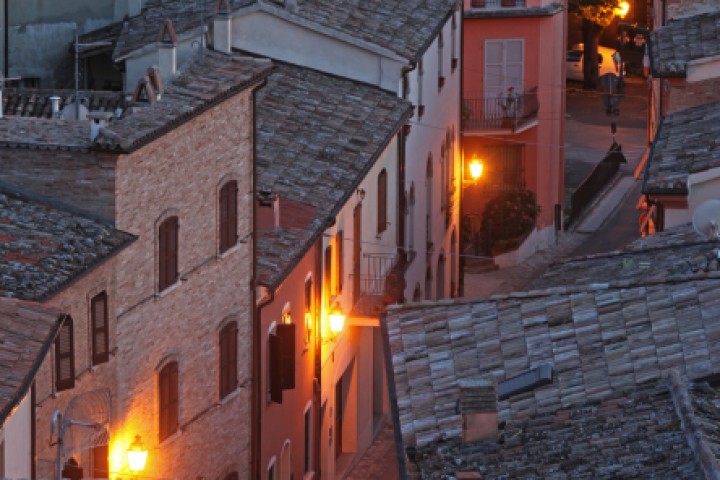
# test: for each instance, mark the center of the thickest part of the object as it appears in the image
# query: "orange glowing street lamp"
(476, 169)
(137, 455)
(337, 319)
(622, 9)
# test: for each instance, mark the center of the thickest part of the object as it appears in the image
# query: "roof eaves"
(288, 16)
(28, 380)
(544, 11)
(273, 285)
(129, 147)
(153, 46)
(431, 38)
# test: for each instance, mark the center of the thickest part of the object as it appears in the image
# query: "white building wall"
(16, 437)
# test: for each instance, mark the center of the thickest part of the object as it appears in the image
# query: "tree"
(596, 15)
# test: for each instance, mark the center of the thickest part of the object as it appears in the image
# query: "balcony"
(381, 283)
(504, 114)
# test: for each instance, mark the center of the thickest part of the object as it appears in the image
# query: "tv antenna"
(85, 425)
(706, 219)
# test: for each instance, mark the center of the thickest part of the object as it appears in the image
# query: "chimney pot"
(55, 101)
(98, 120)
(478, 408)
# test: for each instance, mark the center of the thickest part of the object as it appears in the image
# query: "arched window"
(417, 293)
(227, 342)
(228, 215)
(411, 218)
(428, 283)
(428, 202)
(440, 282)
(382, 191)
(168, 253)
(453, 264)
(168, 386)
(65, 356)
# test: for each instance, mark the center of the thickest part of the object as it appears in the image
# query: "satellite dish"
(85, 425)
(706, 219)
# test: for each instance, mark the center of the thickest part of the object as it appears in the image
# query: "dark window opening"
(228, 359)
(100, 329)
(168, 384)
(228, 216)
(65, 356)
(168, 253)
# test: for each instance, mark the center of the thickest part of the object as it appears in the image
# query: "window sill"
(167, 290)
(229, 251)
(171, 439)
(230, 396)
(309, 476)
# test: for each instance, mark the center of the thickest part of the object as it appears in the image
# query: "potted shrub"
(508, 219)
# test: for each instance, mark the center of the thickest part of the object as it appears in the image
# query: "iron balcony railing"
(374, 283)
(507, 111)
(490, 4)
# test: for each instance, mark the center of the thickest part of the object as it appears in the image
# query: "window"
(232, 476)
(307, 459)
(99, 326)
(382, 202)
(339, 255)
(228, 215)
(228, 359)
(411, 217)
(168, 384)
(503, 67)
(453, 39)
(168, 253)
(327, 272)
(100, 462)
(309, 313)
(441, 45)
(440, 282)
(420, 106)
(428, 283)
(281, 361)
(271, 470)
(65, 356)
(428, 201)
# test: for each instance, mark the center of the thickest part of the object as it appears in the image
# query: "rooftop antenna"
(85, 425)
(77, 68)
(706, 219)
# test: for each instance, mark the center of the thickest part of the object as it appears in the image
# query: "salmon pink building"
(514, 115)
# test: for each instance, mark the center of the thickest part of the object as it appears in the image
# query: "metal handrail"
(501, 112)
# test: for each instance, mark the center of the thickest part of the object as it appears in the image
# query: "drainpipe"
(256, 399)
(6, 47)
(317, 385)
(461, 138)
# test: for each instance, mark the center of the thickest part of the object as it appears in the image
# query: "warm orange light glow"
(476, 169)
(137, 455)
(337, 319)
(622, 9)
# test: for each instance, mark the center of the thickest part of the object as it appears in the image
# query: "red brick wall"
(682, 94)
(181, 174)
(75, 301)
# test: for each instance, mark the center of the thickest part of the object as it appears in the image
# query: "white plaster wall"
(442, 114)
(677, 216)
(265, 34)
(16, 434)
(703, 69)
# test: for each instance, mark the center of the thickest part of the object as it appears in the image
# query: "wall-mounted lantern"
(336, 318)
(137, 455)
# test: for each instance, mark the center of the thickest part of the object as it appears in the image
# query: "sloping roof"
(678, 251)
(633, 433)
(681, 40)
(317, 136)
(26, 332)
(599, 340)
(37, 103)
(43, 248)
(405, 27)
(194, 90)
(687, 142)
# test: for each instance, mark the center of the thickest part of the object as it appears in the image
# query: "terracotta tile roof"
(686, 142)
(43, 247)
(405, 27)
(194, 90)
(640, 432)
(681, 40)
(36, 103)
(599, 340)
(678, 251)
(26, 332)
(317, 136)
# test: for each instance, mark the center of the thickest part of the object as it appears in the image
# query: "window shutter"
(228, 215)
(100, 462)
(100, 329)
(382, 202)
(275, 368)
(168, 400)
(168, 242)
(65, 357)
(228, 359)
(286, 334)
(327, 272)
(339, 253)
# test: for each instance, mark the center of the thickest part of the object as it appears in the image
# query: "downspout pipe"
(461, 140)
(6, 46)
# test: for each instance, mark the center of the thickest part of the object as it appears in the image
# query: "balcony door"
(503, 67)
(357, 250)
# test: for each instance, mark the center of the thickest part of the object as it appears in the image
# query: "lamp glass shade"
(337, 320)
(137, 455)
(622, 9)
(476, 169)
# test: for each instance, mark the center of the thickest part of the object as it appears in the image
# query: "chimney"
(167, 51)
(267, 211)
(478, 407)
(98, 120)
(55, 101)
(291, 5)
(222, 30)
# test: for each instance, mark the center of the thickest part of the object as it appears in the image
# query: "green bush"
(510, 215)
